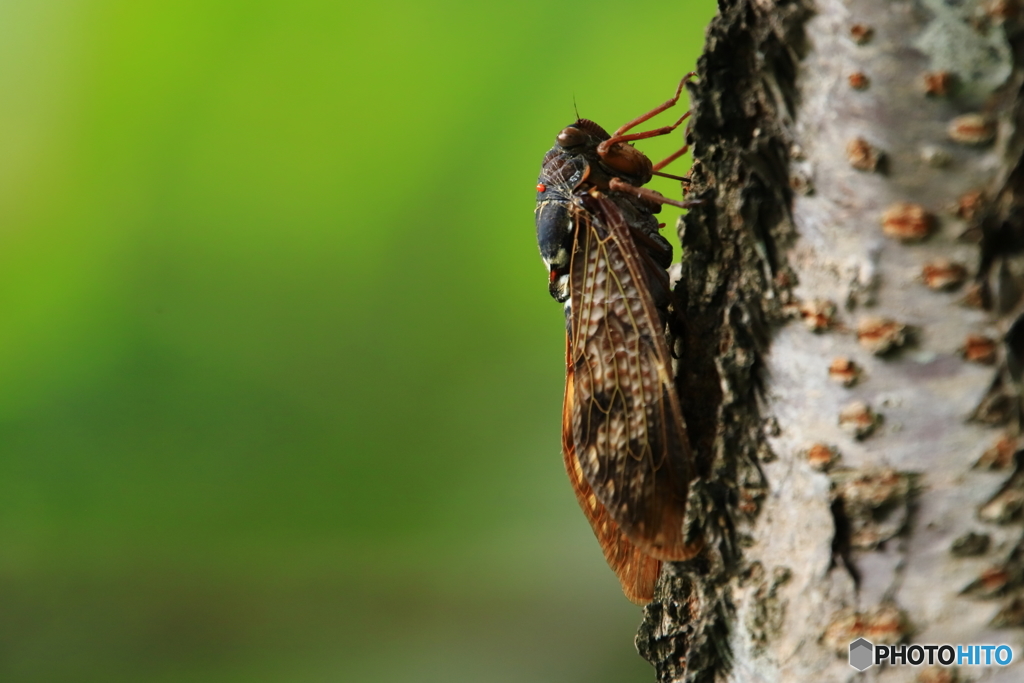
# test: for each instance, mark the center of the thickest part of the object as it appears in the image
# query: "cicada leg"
(657, 110)
(619, 185)
(668, 160)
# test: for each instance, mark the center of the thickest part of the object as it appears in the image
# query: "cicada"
(624, 440)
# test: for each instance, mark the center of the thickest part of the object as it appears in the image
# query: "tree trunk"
(850, 371)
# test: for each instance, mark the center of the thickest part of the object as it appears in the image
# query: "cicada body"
(624, 438)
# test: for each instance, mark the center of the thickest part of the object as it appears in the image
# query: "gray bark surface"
(835, 165)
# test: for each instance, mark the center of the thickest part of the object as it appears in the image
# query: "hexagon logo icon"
(861, 652)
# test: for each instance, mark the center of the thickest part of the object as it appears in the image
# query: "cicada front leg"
(618, 155)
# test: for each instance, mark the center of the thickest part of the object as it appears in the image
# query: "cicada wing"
(636, 571)
(628, 432)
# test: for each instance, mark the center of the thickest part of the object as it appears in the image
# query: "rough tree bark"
(852, 363)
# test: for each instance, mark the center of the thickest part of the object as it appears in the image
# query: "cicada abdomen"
(624, 437)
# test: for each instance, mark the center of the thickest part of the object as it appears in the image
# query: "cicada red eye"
(541, 187)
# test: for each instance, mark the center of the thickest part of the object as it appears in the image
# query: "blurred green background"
(280, 379)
